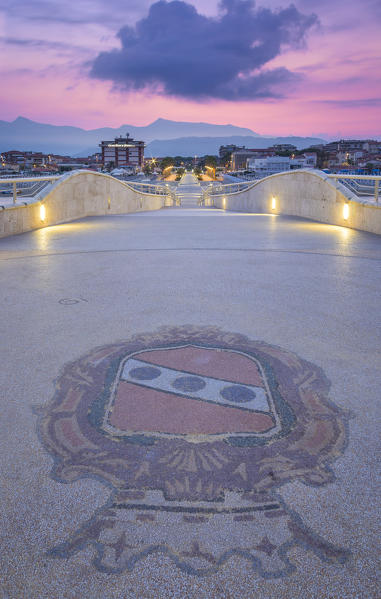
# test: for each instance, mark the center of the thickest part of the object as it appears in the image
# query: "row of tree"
(182, 164)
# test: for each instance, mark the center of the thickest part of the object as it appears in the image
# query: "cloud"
(41, 44)
(72, 12)
(358, 103)
(180, 52)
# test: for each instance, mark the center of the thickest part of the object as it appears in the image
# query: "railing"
(217, 189)
(151, 188)
(156, 189)
(361, 185)
(18, 189)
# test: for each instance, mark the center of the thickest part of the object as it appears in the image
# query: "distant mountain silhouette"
(192, 146)
(24, 134)
(163, 138)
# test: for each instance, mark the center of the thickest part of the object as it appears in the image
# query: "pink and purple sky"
(306, 68)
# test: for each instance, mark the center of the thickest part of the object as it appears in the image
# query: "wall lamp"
(345, 211)
(273, 203)
(42, 212)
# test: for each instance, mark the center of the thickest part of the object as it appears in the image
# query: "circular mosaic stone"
(188, 383)
(237, 393)
(145, 373)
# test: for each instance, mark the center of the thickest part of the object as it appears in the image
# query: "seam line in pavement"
(141, 250)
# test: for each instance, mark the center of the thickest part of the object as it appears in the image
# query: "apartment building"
(122, 152)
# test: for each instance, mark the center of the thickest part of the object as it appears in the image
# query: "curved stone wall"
(74, 196)
(308, 194)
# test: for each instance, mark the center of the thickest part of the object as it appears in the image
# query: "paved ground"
(168, 428)
(189, 191)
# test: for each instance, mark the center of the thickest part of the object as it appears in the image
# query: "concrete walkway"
(168, 427)
(189, 191)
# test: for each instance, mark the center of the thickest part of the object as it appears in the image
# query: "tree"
(167, 161)
(226, 159)
(286, 153)
(210, 161)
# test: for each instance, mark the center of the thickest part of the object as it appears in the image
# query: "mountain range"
(200, 146)
(163, 137)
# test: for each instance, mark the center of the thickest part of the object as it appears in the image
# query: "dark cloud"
(183, 53)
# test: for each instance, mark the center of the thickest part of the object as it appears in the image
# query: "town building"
(240, 158)
(122, 152)
(284, 148)
(228, 150)
(40, 163)
(270, 165)
(354, 145)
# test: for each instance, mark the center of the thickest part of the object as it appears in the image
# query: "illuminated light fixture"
(273, 203)
(346, 211)
(224, 203)
(42, 212)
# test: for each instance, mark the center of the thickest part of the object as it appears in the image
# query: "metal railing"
(166, 190)
(21, 188)
(363, 186)
(18, 189)
(360, 185)
(218, 189)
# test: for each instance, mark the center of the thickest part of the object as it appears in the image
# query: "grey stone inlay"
(189, 383)
(145, 373)
(238, 393)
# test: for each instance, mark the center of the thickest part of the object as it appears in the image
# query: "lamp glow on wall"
(224, 203)
(273, 203)
(42, 212)
(345, 211)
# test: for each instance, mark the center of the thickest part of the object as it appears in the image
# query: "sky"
(280, 68)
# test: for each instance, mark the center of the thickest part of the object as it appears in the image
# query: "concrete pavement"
(189, 191)
(189, 408)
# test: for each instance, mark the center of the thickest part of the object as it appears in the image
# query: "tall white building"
(123, 152)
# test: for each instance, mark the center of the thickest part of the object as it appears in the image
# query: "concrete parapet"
(75, 196)
(308, 194)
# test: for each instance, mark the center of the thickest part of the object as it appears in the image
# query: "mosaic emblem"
(195, 430)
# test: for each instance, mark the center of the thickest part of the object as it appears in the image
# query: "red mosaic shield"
(195, 429)
(190, 391)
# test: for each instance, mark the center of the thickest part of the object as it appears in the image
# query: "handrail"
(349, 176)
(17, 187)
(218, 189)
(29, 179)
(360, 190)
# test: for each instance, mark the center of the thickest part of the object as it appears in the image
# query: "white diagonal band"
(195, 386)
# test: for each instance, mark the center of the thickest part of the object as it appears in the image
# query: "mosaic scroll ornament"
(195, 430)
